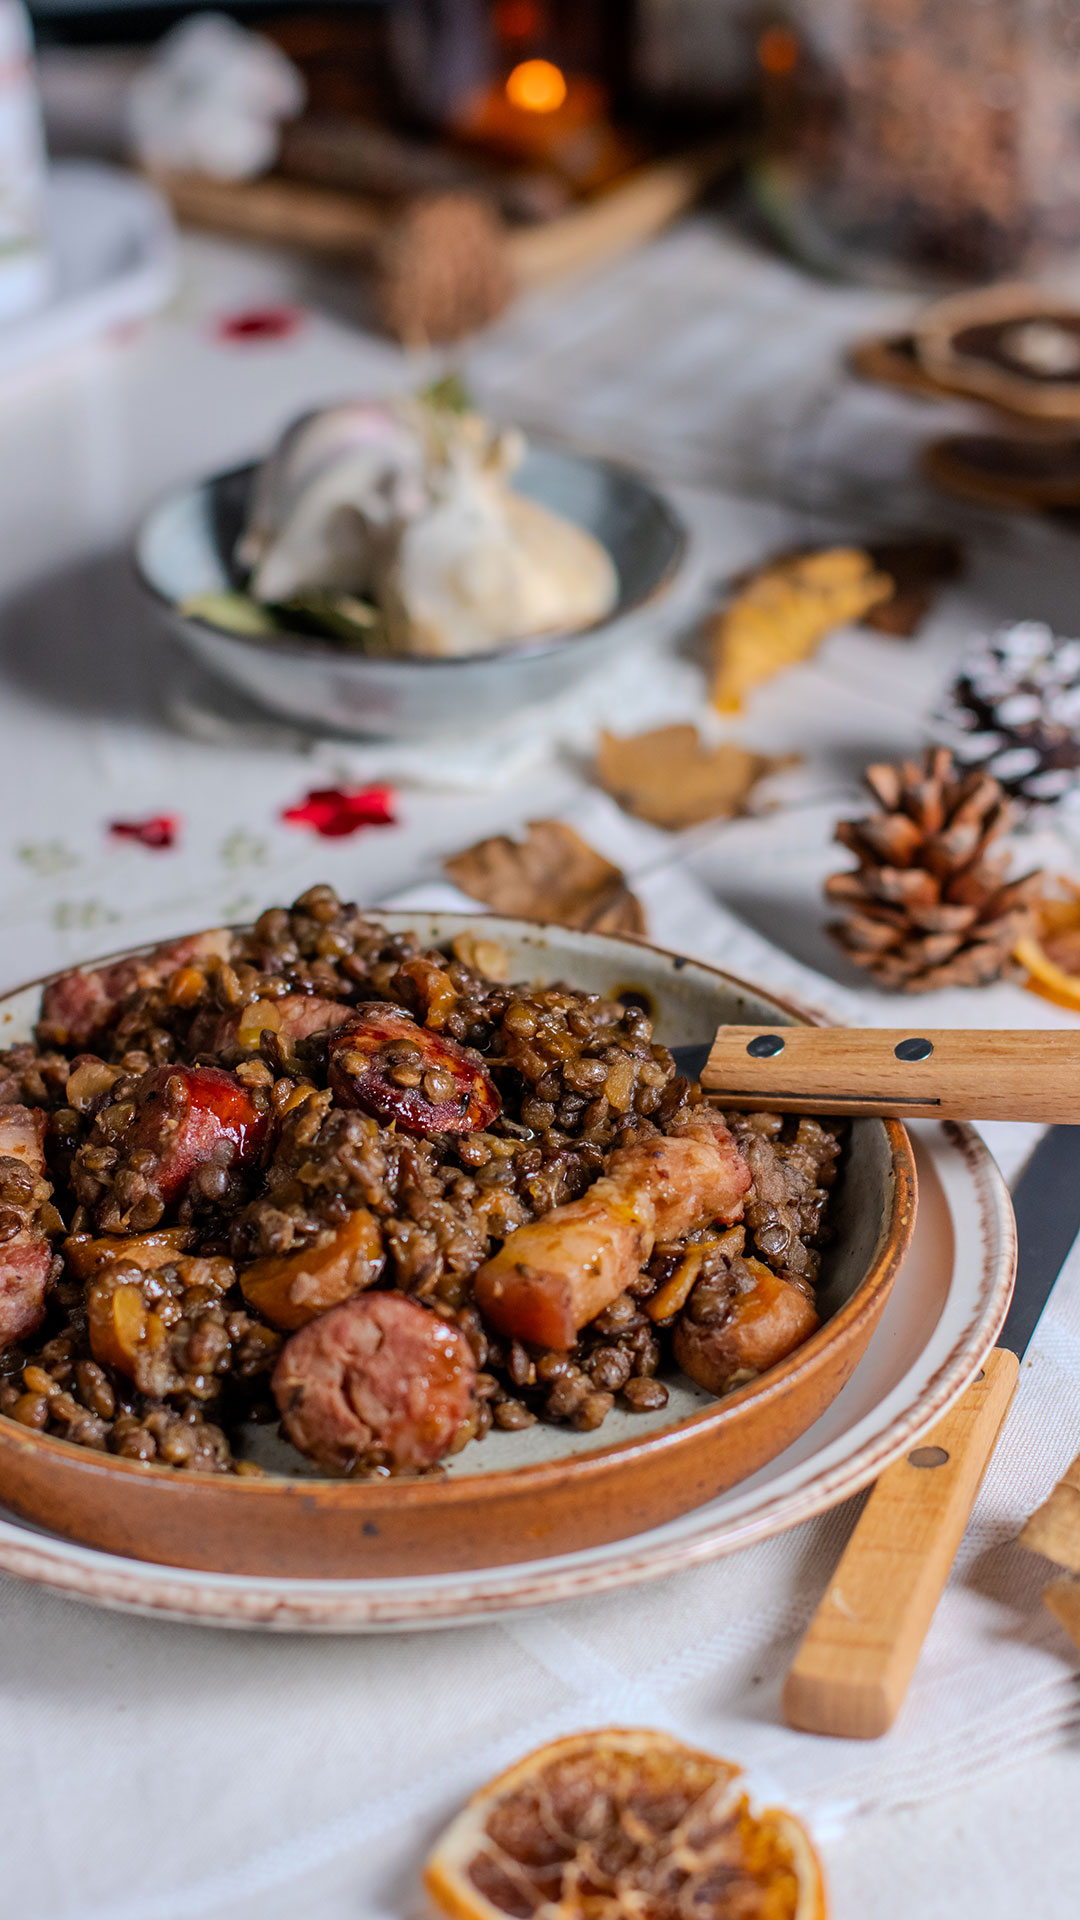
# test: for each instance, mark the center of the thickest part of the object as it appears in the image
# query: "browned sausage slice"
(188, 1116)
(26, 1255)
(386, 1065)
(763, 1324)
(554, 1275)
(377, 1375)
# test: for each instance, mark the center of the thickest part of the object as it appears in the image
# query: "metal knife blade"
(1046, 1202)
(692, 1058)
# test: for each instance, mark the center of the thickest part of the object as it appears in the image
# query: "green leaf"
(448, 394)
(235, 612)
(328, 615)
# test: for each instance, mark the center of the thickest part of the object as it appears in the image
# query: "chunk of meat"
(295, 1016)
(554, 1275)
(766, 1319)
(289, 1289)
(75, 1006)
(378, 1375)
(695, 1174)
(189, 1117)
(26, 1254)
(386, 1065)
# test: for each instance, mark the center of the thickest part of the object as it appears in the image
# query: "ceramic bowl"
(185, 546)
(513, 1496)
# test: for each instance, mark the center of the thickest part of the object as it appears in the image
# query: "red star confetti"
(159, 831)
(259, 324)
(337, 811)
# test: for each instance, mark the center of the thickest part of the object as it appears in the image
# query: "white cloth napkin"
(165, 1772)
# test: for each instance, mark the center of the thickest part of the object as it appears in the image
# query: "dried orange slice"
(1051, 953)
(623, 1825)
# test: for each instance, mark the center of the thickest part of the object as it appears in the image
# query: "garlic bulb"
(338, 481)
(411, 505)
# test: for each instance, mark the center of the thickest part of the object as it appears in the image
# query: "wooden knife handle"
(852, 1670)
(985, 1074)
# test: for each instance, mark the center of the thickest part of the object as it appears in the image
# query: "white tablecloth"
(150, 1772)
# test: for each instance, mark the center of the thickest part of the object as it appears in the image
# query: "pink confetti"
(337, 811)
(159, 831)
(258, 324)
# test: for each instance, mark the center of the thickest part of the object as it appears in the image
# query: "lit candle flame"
(536, 86)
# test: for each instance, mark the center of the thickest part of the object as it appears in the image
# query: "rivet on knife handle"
(986, 1074)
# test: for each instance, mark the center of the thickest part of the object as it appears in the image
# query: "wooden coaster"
(1014, 346)
(995, 470)
(890, 360)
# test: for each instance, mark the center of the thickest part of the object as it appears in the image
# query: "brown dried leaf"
(783, 614)
(1062, 1597)
(671, 778)
(553, 874)
(1054, 1528)
(918, 569)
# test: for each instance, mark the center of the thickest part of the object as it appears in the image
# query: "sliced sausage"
(386, 1065)
(79, 1004)
(189, 1117)
(380, 1375)
(554, 1275)
(766, 1319)
(26, 1254)
(289, 1289)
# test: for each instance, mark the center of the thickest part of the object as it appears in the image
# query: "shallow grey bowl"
(184, 547)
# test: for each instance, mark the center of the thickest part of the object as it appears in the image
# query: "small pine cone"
(930, 903)
(1014, 711)
(440, 269)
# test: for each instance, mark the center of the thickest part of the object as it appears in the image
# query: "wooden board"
(324, 221)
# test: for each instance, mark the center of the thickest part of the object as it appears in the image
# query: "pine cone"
(440, 269)
(930, 904)
(1015, 711)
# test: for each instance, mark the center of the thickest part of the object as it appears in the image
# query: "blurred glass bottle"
(916, 139)
(24, 263)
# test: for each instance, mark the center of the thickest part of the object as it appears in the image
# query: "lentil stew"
(320, 1174)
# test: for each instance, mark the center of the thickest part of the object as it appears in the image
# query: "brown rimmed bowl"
(514, 1496)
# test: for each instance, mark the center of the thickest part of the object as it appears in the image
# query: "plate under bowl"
(515, 1496)
(185, 545)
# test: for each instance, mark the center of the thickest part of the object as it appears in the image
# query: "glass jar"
(925, 138)
(24, 265)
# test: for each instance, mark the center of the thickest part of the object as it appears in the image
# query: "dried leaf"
(1062, 1598)
(918, 569)
(669, 776)
(553, 874)
(1054, 1528)
(784, 613)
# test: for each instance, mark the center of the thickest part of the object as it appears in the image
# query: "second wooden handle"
(852, 1671)
(910, 1072)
